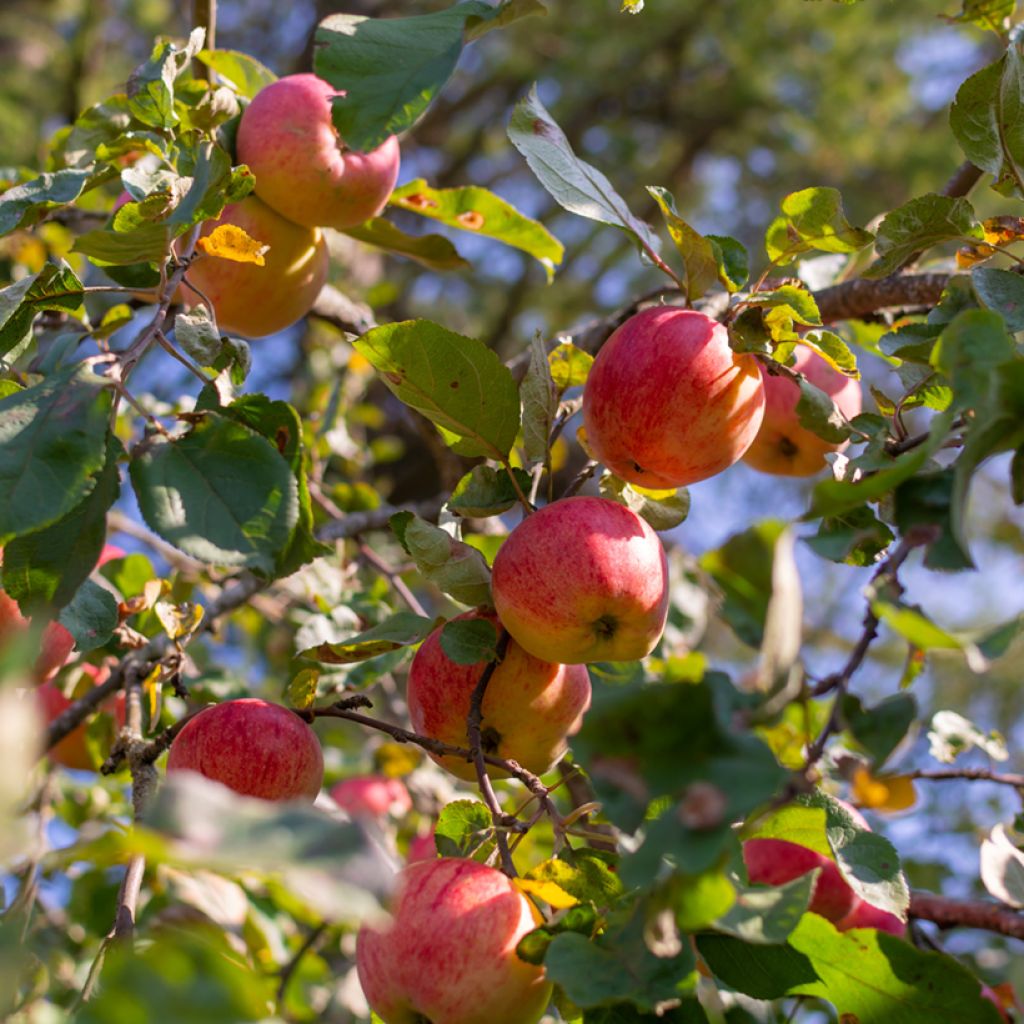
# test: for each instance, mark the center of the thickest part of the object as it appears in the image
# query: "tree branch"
(853, 299)
(340, 311)
(953, 913)
(355, 523)
(969, 774)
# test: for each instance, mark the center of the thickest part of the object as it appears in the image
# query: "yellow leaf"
(302, 689)
(396, 760)
(179, 620)
(553, 895)
(151, 687)
(230, 242)
(884, 792)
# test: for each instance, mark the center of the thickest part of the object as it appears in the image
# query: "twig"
(953, 913)
(916, 440)
(581, 478)
(473, 732)
(289, 968)
(964, 178)
(401, 587)
(355, 523)
(972, 774)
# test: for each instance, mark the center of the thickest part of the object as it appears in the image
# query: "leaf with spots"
(458, 383)
(480, 212)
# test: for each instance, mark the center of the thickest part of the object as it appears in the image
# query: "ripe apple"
(302, 167)
(256, 301)
(864, 915)
(782, 445)
(583, 579)
(529, 708)
(422, 847)
(55, 643)
(668, 402)
(372, 796)
(448, 954)
(72, 752)
(253, 747)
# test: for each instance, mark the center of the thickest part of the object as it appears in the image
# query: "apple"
(668, 402)
(448, 954)
(302, 167)
(55, 643)
(422, 847)
(372, 796)
(253, 747)
(864, 915)
(72, 751)
(583, 579)
(782, 445)
(529, 708)
(251, 300)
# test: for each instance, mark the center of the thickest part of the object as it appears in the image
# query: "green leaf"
(392, 68)
(1002, 291)
(795, 301)
(245, 73)
(397, 631)
(469, 641)
(574, 184)
(733, 261)
(91, 616)
(766, 916)
(971, 351)
(582, 873)
(38, 195)
(458, 383)
(197, 334)
(222, 494)
(449, 564)
(433, 251)
(506, 12)
(151, 85)
(813, 219)
(664, 510)
(486, 491)
(540, 403)
(986, 13)
(915, 627)
(700, 261)
(302, 690)
(879, 729)
(926, 499)
(462, 828)
(149, 243)
(759, 971)
(742, 569)
(856, 537)
(479, 211)
(52, 443)
(987, 119)
(879, 979)
(48, 566)
(918, 226)
(53, 288)
(570, 365)
(820, 415)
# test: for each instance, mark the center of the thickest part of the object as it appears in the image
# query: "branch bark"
(953, 913)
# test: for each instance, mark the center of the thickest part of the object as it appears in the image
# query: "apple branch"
(966, 774)
(953, 913)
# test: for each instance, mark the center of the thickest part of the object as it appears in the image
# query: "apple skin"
(529, 708)
(372, 796)
(256, 301)
(777, 861)
(583, 579)
(783, 447)
(667, 402)
(289, 141)
(422, 847)
(55, 643)
(864, 915)
(448, 954)
(254, 747)
(72, 752)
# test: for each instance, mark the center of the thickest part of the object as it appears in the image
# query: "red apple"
(372, 796)
(110, 553)
(303, 169)
(252, 300)
(864, 915)
(448, 954)
(72, 751)
(581, 580)
(777, 861)
(529, 708)
(422, 847)
(782, 446)
(668, 402)
(253, 747)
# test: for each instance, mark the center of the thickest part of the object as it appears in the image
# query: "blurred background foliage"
(730, 105)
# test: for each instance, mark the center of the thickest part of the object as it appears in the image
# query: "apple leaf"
(52, 445)
(485, 491)
(463, 827)
(880, 728)
(733, 261)
(951, 735)
(759, 971)
(700, 261)
(1002, 291)
(433, 251)
(395, 632)
(1002, 868)
(575, 185)
(148, 243)
(812, 219)
(856, 537)
(985, 13)
(55, 188)
(392, 68)
(222, 494)
(820, 415)
(246, 74)
(539, 393)
(458, 383)
(469, 641)
(480, 212)
(570, 365)
(764, 915)
(663, 510)
(920, 225)
(91, 616)
(151, 85)
(53, 288)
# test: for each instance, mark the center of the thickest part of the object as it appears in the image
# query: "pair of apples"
(305, 180)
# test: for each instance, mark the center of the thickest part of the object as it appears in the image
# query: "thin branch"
(953, 913)
(355, 523)
(964, 178)
(340, 311)
(588, 470)
(290, 968)
(401, 587)
(971, 774)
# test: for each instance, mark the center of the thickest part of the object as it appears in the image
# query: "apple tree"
(395, 692)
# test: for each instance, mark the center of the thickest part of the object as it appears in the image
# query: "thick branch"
(858, 298)
(951, 913)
